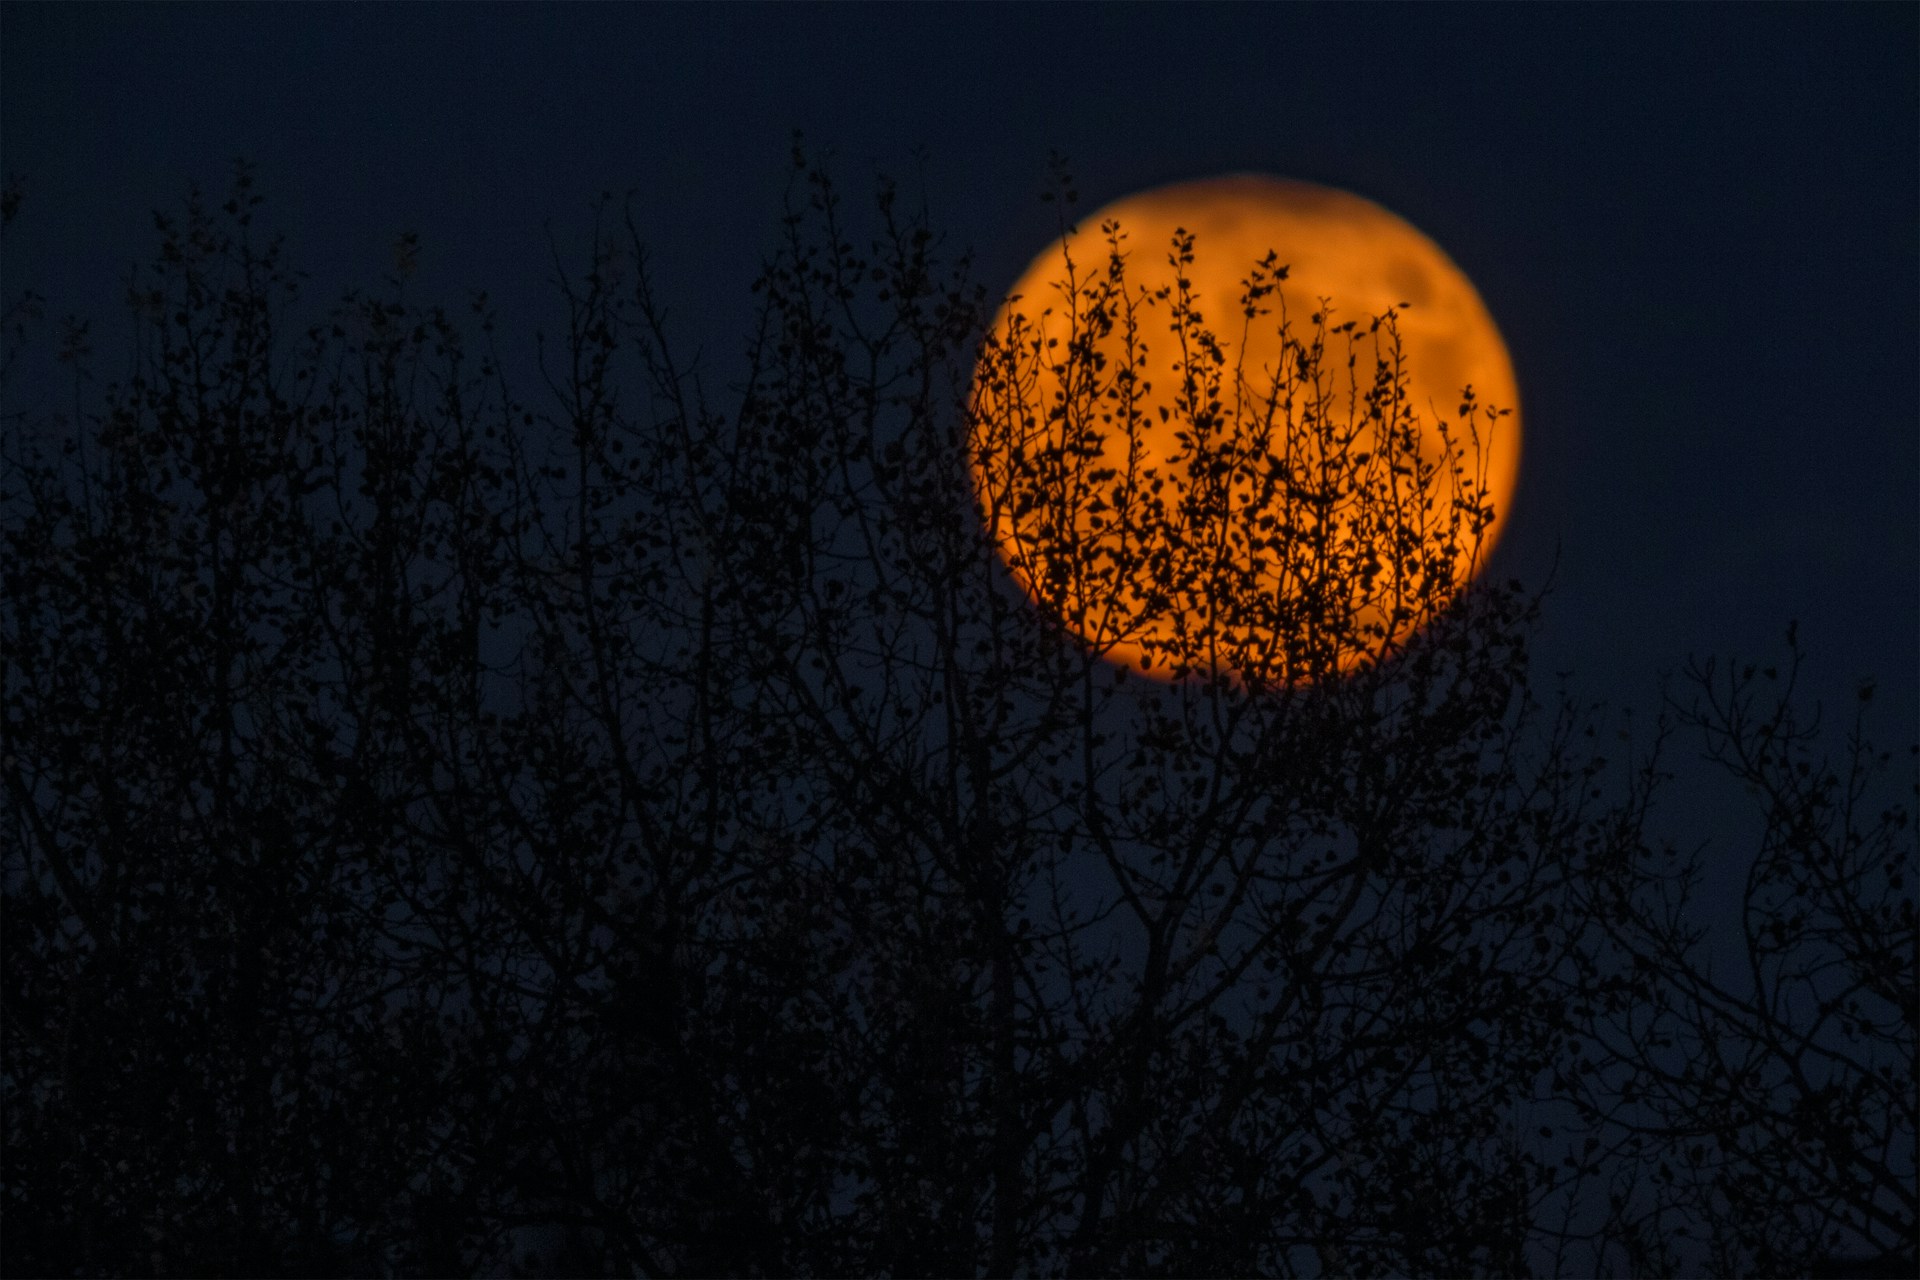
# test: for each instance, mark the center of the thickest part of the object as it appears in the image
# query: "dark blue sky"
(1697, 226)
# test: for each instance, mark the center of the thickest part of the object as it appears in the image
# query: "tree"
(1767, 1079)
(646, 836)
(1156, 913)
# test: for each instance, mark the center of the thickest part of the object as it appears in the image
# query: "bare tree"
(655, 833)
(1765, 1075)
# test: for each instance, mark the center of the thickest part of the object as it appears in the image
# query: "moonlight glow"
(1090, 565)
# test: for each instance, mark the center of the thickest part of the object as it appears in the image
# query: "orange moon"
(1095, 420)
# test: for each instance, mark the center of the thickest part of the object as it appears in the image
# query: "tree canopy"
(576, 820)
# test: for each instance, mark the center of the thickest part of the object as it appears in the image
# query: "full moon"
(1243, 425)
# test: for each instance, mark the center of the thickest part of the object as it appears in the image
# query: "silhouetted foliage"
(1766, 1079)
(654, 835)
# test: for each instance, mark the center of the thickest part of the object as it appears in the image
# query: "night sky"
(1696, 226)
